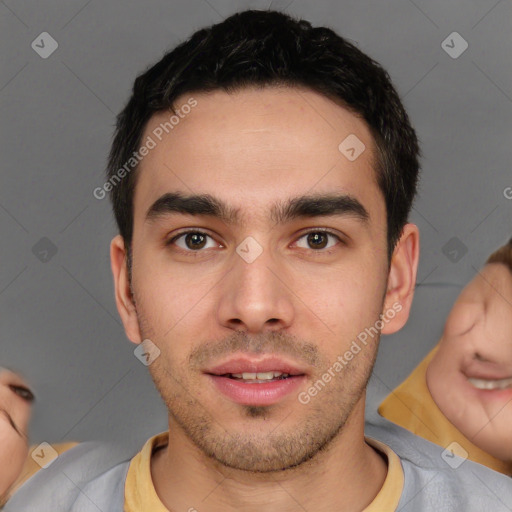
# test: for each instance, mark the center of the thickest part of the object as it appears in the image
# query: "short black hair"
(265, 47)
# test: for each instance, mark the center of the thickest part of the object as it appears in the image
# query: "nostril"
(481, 358)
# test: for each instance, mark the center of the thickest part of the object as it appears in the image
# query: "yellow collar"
(140, 493)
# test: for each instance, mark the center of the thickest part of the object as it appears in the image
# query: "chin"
(494, 444)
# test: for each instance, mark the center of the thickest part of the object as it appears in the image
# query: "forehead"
(494, 281)
(256, 146)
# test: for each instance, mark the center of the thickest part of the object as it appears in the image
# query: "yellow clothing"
(411, 406)
(140, 494)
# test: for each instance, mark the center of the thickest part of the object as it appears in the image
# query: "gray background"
(59, 324)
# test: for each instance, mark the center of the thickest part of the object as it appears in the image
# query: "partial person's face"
(470, 377)
(15, 406)
(221, 312)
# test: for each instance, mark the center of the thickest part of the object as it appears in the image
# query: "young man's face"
(214, 306)
(470, 377)
(14, 418)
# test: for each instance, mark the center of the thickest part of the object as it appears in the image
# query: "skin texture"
(477, 343)
(15, 412)
(250, 149)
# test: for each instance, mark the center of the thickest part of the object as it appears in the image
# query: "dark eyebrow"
(318, 205)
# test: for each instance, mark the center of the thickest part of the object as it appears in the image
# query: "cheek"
(359, 289)
(13, 452)
(164, 297)
(462, 318)
(354, 308)
(174, 314)
(445, 367)
(347, 295)
(20, 413)
(440, 374)
(349, 302)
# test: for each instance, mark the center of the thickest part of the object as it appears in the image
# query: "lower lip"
(256, 394)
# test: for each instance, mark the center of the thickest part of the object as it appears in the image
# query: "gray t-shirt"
(437, 480)
(90, 477)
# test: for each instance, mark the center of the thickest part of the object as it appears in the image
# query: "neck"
(346, 476)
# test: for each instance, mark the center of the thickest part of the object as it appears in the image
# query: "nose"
(256, 295)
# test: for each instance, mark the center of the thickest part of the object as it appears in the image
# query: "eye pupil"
(314, 238)
(194, 237)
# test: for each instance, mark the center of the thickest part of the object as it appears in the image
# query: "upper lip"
(486, 376)
(484, 372)
(242, 364)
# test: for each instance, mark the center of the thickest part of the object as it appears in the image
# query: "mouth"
(257, 383)
(257, 378)
(491, 384)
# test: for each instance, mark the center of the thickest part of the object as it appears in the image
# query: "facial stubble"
(265, 448)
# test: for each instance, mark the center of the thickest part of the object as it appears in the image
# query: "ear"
(401, 280)
(123, 294)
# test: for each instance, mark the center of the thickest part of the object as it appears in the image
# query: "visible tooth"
(258, 376)
(491, 384)
(505, 383)
(265, 375)
(479, 383)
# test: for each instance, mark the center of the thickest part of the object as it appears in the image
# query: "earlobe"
(401, 280)
(123, 294)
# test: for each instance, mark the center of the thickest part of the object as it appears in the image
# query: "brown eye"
(23, 392)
